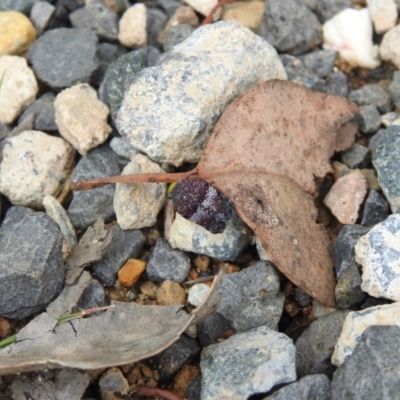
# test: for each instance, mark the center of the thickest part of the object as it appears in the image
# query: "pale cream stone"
(383, 14)
(246, 13)
(390, 46)
(132, 26)
(204, 7)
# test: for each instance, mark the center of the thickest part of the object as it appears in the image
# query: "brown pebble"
(171, 294)
(131, 271)
(149, 288)
(183, 379)
(202, 262)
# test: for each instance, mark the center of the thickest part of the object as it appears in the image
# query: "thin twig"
(164, 394)
(199, 280)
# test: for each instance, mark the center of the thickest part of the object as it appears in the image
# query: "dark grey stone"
(251, 297)
(153, 54)
(348, 293)
(326, 9)
(170, 6)
(166, 263)
(394, 89)
(302, 298)
(124, 245)
(60, 17)
(337, 83)
(212, 327)
(298, 73)
(31, 265)
(372, 94)
(357, 156)
(290, 26)
(120, 75)
(23, 6)
(372, 371)
(315, 346)
(176, 35)
(369, 119)
(376, 209)
(321, 62)
(193, 391)
(386, 162)
(343, 247)
(311, 387)
(156, 21)
(43, 109)
(97, 18)
(63, 57)
(171, 360)
(93, 296)
(89, 205)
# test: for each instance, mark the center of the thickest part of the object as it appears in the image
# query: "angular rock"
(138, 204)
(251, 297)
(64, 57)
(34, 164)
(41, 14)
(166, 124)
(82, 118)
(176, 35)
(357, 156)
(369, 119)
(16, 33)
(124, 245)
(326, 9)
(321, 62)
(379, 254)
(156, 22)
(374, 94)
(386, 162)
(376, 209)
(211, 328)
(290, 26)
(346, 196)
(131, 271)
(383, 14)
(357, 322)
(337, 83)
(31, 265)
(132, 26)
(246, 13)
(89, 205)
(166, 263)
(93, 296)
(188, 236)
(232, 369)
(315, 346)
(311, 387)
(389, 45)
(389, 118)
(321, 310)
(18, 87)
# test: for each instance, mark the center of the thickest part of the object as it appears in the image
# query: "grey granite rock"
(326, 9)
(376, 209)
(386, 162)
(93, 296)
(311, 387)
(315, 346)
(357, 156)
(165, 263)
(89, 205)
(251, 297)
(321, 62)
(170, 110)
(290, 26)
(23, 6)
(63, 57)
(372, 371)
(374, 94)
(394, 89)
(247, 363)
(43, 109)
(120, 75)
(212, 327)
(97, 18)
(124, 245)
(343, 247)
(337, 83)
(369, 119)
(31, 265)
(156, 21)
(298, 73)
(176, 35)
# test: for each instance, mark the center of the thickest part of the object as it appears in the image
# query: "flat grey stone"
(290, 26)
(372, 371)
(357, 156)
(31, 265)
(372, 94)
(251, 297)
(386, 162)
(166, 263)
(326, 9)
(321, 62)
(40, 15)
(376, 209)
(124, 244)
(369, 119)
(23, 6)
(337, 84)
(212, 327)
(311, 387)
(93, 296)
(315, 346)
(247, 363)
(88, 206)
(63, 57)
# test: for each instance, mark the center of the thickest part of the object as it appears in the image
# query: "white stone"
(383, 14)
(197, 294)
(34, 164)
(81, 117)
(357, 322)
(379, 254)
(350, 33)
(390, 45)
(18, 87)
(132, 26)
(202, 6)
(138, 204)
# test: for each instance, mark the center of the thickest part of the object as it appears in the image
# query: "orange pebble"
(131, 271)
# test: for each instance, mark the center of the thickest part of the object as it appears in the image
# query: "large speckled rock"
(81, 117)
(137, 204)
(34, 164)
(170, 110)
(18, 87)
